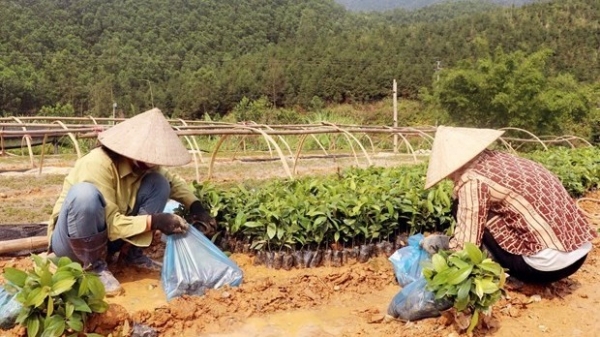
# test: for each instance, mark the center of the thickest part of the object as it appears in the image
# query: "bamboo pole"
(16, 245)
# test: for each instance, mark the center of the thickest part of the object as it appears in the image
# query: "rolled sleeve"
(473, 197)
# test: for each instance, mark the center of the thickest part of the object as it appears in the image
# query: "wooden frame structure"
(39, 130)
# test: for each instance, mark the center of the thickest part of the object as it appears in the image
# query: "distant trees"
(386, 5)
(197, 58)
(514, 90)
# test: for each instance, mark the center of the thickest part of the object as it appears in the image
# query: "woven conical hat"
(147, 137)
(454, 147)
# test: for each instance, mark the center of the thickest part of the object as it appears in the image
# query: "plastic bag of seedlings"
(407, 260)
(192, 264)
(9, 309)
(415, 302)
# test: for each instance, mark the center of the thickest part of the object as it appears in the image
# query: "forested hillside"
(385, 5)
(192, 57)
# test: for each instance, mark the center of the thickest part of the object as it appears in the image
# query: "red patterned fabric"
(524, 206)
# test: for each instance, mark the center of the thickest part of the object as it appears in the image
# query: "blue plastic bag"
(171, 206)
(192, 264)
(9, 309)
(415, 302)
(407, 260)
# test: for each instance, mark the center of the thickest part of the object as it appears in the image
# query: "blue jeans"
(83, 212)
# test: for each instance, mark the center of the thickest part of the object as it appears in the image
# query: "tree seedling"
(57, 296)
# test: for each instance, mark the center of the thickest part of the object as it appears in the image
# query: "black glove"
(168, 223)
(435, 242)
(198, 215)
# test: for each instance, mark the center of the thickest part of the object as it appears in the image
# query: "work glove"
(435, 242)
(199, 216)
(169, 223)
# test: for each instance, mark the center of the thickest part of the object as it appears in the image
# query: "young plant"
(57, 297)
(468, 277)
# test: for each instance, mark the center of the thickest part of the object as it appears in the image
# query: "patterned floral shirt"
(524, 206)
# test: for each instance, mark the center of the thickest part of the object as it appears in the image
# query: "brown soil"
(326, 301)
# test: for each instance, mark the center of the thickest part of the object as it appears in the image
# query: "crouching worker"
(518, 210)
(113, 198)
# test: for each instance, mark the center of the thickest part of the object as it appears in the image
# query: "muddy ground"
(318, 302)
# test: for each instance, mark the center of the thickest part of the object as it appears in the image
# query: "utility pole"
(438, 67)
(395, 103)
(151, 94)
(114, 111)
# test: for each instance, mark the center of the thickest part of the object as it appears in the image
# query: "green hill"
(386, 5)
(192, 57)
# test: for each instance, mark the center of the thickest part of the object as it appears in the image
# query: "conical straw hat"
(454, 147)
(147, 137)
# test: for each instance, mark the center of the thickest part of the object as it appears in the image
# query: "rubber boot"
(91, 252)
(136, 258)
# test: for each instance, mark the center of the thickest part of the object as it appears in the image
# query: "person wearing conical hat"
(517, 209)
(113, 198)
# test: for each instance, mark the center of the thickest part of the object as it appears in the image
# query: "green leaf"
(46, 277)
(33, 326)
(253, 224)
(74, 266)
(474, 252)
(281, 232)
(83, 286)
(98, 306)
(55, 326)
(23, 315)
(79, 304)
(458, 262)
(441, 277)
(488, 286)
(320, 220)
(83, 307)
(428, 273)
(75, 323)
(95, 286)
(474, 321)
(492, 267)
(461, 304)
(440, 293)
(62, 286)
(39, 261)
(50, 307)
(271, 230)
(63, 261)
(464, 290)
(36, 297)
(69, 308)
(439, 263)
(15, 276)
(478, 288)
(459, 275)
(62, 274)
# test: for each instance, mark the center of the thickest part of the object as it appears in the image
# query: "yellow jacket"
(119, 183)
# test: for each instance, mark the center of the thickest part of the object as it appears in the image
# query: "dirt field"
(325, 301)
